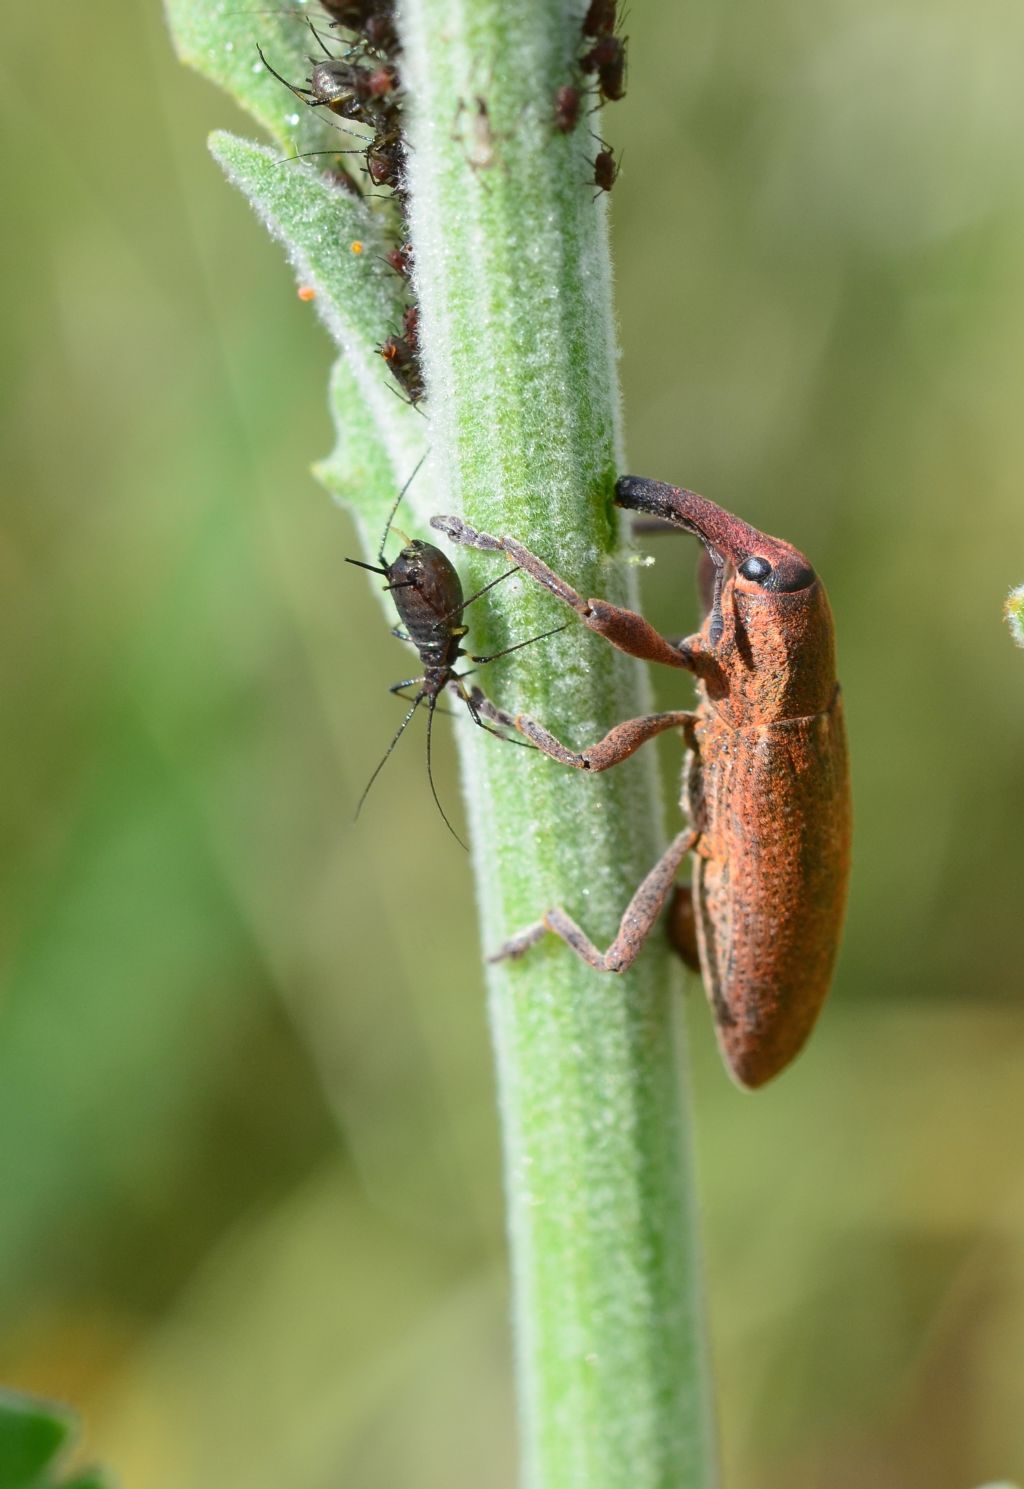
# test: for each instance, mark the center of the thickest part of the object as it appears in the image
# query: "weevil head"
(768, 629)
(762, 564)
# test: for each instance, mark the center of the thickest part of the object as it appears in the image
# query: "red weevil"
(766, 784)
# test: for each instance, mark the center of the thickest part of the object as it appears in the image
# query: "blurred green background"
(250, 1202)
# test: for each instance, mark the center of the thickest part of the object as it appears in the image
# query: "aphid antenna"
(323, 45)
(397, 504)
(305, 154)
(299, 92)
(430, 775)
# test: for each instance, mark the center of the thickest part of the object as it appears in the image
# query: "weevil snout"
(762, 563)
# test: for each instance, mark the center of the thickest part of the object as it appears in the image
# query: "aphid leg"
(496, 656)
(481, 707)
(397, 692)
(634, 927)
(479, 704)
(625, 629)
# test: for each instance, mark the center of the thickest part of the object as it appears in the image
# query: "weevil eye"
(755, 568)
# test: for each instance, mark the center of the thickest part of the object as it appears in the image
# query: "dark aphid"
(400, 259)
(567, 108)
(381, 81)
(606, 169)
(411, 327)
(600, 18)
(331, 86)
(607, 57)
(402, 354)
(334, 84)
(371, 20)
(354, 92)
(385, 158)
(403, 359)
(346, 88)
(427, 592)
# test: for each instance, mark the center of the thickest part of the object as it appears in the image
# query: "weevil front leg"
(625, 629)
(634, 927)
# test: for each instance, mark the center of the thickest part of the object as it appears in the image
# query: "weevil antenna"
(383, 759)
(717, 622)
(430, 777)
(394, 509)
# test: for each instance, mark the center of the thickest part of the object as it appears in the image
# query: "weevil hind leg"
(634, 927)
(682, 926)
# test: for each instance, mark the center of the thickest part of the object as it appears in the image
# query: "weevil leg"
(682, 926)
(479, 704)
(634, 927)
(625, 629)
(618, 744)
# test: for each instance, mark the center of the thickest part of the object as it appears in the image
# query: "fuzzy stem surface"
(514, 285)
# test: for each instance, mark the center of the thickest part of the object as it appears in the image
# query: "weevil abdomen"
(772, 806)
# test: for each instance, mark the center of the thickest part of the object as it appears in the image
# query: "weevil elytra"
(765, 784)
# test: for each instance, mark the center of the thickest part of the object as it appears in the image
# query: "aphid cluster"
(601, 55)
(605, 57)
(402, 354)
(361, 83)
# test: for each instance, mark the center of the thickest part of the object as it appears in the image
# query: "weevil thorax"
(776, 656)
(428, 597)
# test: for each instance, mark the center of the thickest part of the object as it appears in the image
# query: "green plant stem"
(514, 285)
(513, 282)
